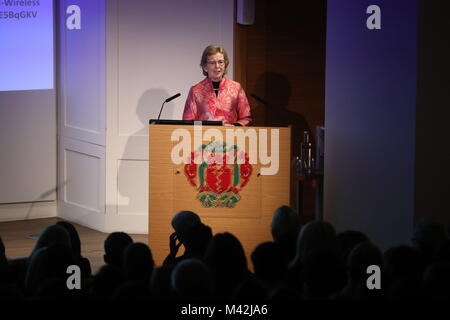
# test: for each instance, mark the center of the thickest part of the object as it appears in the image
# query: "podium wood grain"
(170, 192)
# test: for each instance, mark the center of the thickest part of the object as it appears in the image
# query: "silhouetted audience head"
(317, 236)
(323, 265)
(3, 258)
(6, 273)
(268, 263)
(285, 222)
(47, 262)
(403, 268)
(105, 282)
(428, 236)
(226, 259)
(406, 289)
(285, 227)
(138, 262)
(250, 289)
(184, 220)
(403, 261)
(11, 292)
(363, 255)
(347, 240)
(115, 245)
(74, 237)
(317, 263)
(323, 274)
(191, 279)
(284, 293)
(442, 253)
(160, 282)
(53, 234)
(131, 291)
(196, 240)
(75, 243)
(437, 280)
(189, 232)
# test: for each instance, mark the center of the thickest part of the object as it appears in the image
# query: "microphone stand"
(159, 115)
(167, 100)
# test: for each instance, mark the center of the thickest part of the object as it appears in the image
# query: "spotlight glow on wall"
(26, 45)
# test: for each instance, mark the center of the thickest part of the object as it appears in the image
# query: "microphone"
(168, 100)
(173, 97)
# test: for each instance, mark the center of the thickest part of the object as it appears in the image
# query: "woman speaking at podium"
(216, 97)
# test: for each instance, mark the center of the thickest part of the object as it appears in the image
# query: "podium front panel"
(226, 197)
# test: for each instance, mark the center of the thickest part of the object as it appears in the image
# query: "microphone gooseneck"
(167, 100)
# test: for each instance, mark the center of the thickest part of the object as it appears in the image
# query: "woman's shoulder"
(231, 83)
(200, 84)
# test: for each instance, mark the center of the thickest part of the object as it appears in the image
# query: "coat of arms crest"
(220, 176)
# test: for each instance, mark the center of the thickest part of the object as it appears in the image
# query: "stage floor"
(15, 235)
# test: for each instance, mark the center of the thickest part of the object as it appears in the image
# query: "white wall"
(27, 153)
(28, 146)
(151, 51)
(28, 210)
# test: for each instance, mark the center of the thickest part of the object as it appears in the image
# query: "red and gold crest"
(220, 176)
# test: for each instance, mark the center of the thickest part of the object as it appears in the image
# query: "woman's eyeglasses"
(221, 63)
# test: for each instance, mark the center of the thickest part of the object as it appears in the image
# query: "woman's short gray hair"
(212, 50)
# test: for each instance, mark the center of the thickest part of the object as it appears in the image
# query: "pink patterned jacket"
(230, 105)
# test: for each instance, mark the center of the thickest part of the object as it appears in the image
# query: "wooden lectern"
(230, 197)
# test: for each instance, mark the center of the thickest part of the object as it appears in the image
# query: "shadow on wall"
(273, 92)
(148, 108)
(132, 182)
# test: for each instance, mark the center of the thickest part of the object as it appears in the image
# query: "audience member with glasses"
(216, 97)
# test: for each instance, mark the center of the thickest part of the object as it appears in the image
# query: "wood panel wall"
(280, 61)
